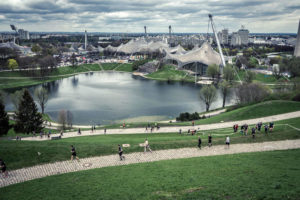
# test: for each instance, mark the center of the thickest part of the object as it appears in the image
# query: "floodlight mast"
(218, 42)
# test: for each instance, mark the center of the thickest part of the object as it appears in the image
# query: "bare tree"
(208, 95)
(62, 119)
(224, 86)
(252, 92)
(69, 118)
(42, 97)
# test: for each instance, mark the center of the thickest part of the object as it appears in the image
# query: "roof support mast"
(218, 42)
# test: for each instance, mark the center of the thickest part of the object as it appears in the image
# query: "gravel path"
(174, 129)
(40, 171)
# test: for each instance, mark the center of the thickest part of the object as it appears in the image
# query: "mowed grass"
(169, 72)
(258, 110)
(261, 175)
(17, 79)
(19, 154)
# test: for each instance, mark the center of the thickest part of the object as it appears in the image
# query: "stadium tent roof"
(176, 50)
(205, 54)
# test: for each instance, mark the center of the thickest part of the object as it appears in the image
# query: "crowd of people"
(244, 131)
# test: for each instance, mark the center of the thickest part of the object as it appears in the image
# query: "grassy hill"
(261, 175)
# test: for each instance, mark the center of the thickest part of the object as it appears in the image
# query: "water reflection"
(104, 97)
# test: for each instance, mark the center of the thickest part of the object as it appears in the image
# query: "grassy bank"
(262, 109)
(18, 154)
(261, 175)
(169, 72)
(17, 79)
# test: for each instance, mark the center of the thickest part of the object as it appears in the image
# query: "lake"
(110, 97)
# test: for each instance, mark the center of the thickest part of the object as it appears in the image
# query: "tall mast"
(218, 43)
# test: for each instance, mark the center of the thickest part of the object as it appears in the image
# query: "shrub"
(188, 117)
(251, 93)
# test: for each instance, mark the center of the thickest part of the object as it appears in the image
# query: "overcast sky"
(130, 16)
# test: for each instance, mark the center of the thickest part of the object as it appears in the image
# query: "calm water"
(104, 98)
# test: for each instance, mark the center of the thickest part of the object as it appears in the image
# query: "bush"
(188, 117)
(296, 98)
(136, 64)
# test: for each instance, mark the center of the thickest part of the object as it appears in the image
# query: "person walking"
(253, 132)
(199, 142)
(123, 124)
(79, 131)
(147, 146)
(104, 131)
(227, 141)
(209, 140)
(271, 126)
(180, 131)
(3, 168)
(73, 153)
(266, 128)
(193, 123)
(121, 153)
(259, 125)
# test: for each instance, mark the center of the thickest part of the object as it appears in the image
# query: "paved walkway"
(174, 129)
(40, 171)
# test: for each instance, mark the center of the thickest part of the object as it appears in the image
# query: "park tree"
(12, 64)
(251, 93)
(69, 118)
(225, 88)
(228, 73)
(62, 119)
(42, 97)
(27, 117)
(291, 65)
(249, 76)
(36, 48)
(73, 59)
(208, 95)
(16, 98)
(253, 62)
(4, 120)
(213, 71)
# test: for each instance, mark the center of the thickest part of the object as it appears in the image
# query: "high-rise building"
(235, 39)
(224, 39)
(244, 35)
(297, 46)
(23, 34)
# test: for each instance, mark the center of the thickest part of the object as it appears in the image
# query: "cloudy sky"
(130, 16)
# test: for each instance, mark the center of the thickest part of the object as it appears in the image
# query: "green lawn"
(262, 109)
(262, 78)
(109, 66)
(20, 154)
(169, 72)
(262, 175)
(125, 67)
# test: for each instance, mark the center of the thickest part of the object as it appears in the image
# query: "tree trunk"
(224, 99)
(207, 107)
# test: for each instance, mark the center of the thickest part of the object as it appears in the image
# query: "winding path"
(40, 171)
(174, 129)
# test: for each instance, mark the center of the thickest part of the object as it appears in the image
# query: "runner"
(92, 129)
(271, 126)
(209, 140)
(180, 131)
(73, 155)
(253, 133)
(266, 129)
(104, 131)
(3, 168)
(123, 124)
(79, 131)
(228, 141)
(246, 129)
(147, 146)
(259, 125)
(193, 123)
(199, 142)
(121, 152)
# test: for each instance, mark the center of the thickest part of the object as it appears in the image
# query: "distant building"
(224, 39)
(235, 39)
(244, 35)
(23, 34)
(297, 47)
(35, 36)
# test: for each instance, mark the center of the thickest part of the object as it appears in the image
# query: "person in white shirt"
(147, 146)
(228, 141)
